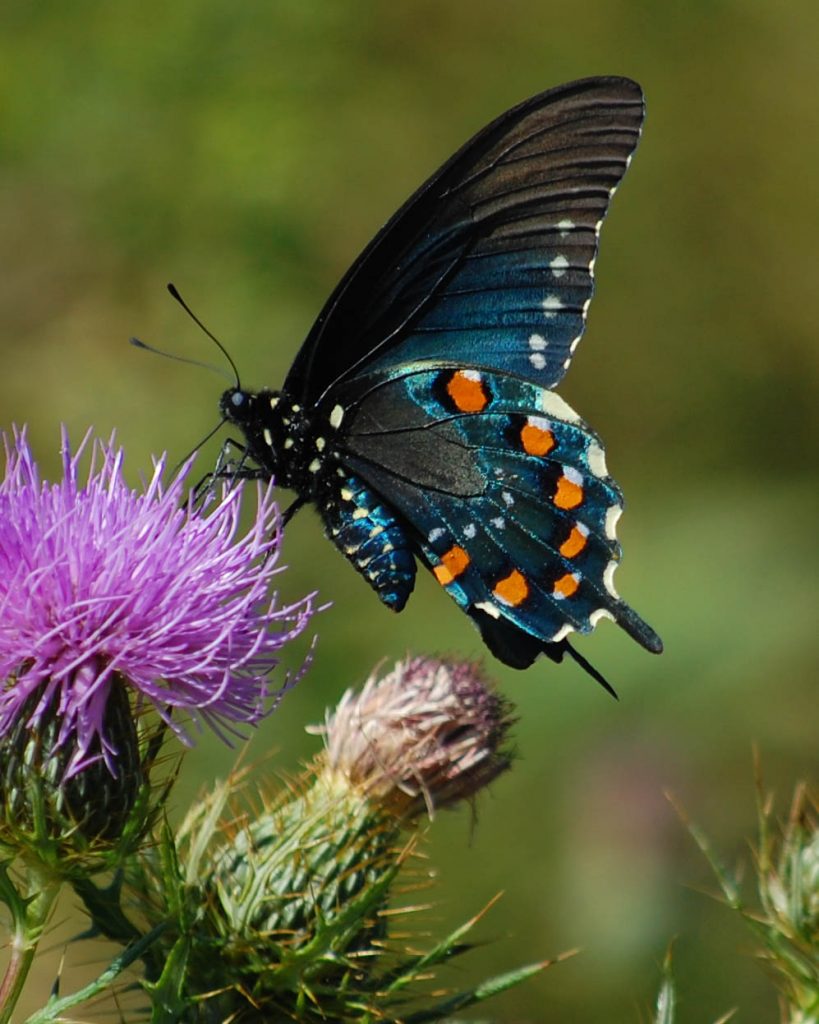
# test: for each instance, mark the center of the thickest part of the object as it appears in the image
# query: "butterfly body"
(420, 416)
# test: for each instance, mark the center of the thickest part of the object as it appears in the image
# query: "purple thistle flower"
(101, 583)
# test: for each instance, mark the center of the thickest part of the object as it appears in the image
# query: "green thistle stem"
(29, 918)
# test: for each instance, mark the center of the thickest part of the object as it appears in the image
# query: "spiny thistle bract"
(285, 913)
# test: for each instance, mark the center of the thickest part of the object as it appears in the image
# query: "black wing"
(490, 262)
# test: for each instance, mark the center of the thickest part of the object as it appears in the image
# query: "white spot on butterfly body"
(336, 416)
(565, 227)
(553, 405)
(551, 304)
(596, 459)
(559, 265)
(613, 513)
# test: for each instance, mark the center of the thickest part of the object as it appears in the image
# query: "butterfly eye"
(238, 398)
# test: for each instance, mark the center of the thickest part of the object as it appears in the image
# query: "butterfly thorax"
(296, 450)
(279, 438)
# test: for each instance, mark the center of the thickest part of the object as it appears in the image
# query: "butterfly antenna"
(138, 343)
(173, 290)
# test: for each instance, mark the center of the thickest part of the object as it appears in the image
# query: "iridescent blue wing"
(490, 262)
(505, 494)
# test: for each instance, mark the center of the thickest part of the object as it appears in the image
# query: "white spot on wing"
(596, 458)
(553, 405)
(508, 498)
(320, 443)
(537, 344)
(361, 513)
(489, 608)
(274, 402)
(268, 437)
(565, 226)
(562, 633)
(551, 304)
(559, 265)
(336, 416)
(613, 513)
(470, 530)
(315, 466)
(608, 578)
(435, 534)
(601, 613)
(499, 522)
(572, 475)
(346, 494)
(471, 375)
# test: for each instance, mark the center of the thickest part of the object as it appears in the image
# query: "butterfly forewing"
(491, 260)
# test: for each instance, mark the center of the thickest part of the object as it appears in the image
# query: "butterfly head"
(237, 406)
(275, 432)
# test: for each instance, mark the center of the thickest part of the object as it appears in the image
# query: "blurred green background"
(247, 152)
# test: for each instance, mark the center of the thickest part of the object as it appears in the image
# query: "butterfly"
(420, 415)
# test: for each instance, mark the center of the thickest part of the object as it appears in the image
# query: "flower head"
(429, 733)
(103, 586)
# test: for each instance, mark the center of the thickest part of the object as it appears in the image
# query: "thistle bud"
(289, 905)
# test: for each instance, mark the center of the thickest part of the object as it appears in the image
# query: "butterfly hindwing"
(515, 516)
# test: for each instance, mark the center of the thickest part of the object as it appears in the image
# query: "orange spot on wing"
(536, 440)
(453, 563)
(566, 585)
(467, 392)
(512, 589)
(568, 493)
(574, 543)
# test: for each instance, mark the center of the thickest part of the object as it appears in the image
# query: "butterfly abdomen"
(369, 535)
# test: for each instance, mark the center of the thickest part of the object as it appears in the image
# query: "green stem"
(30, 916)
